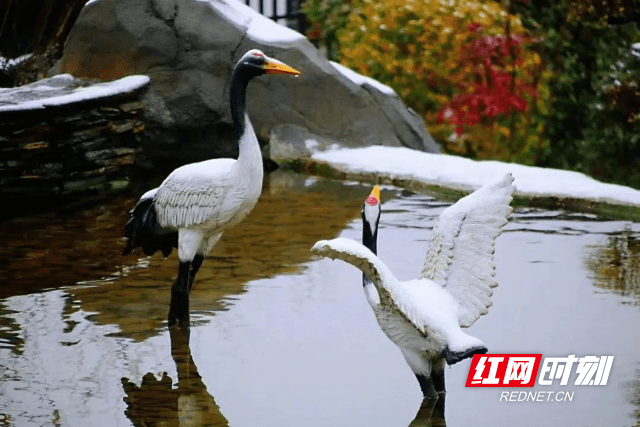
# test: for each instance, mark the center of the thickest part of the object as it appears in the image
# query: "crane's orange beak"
(374, 197)
(273, 66)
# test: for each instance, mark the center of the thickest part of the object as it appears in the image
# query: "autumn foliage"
(495, 95)
(467, 66)
(551, 83)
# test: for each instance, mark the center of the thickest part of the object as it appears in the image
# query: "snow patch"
(468, 175)
(430, 306)
(310, 182)
(311, 144)
(360, 80)
(259, 28)
(59, 96)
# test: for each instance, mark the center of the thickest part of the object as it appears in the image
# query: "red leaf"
(474, 27)
(518, 103)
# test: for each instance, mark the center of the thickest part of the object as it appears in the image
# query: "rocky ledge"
(64, 140)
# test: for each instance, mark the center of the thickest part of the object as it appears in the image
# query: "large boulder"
(189, 47)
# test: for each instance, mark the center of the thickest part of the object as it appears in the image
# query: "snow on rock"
(465, 174)
(64, 89)
(259, 28)
(361, 80)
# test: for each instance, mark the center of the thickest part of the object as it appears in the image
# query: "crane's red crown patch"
(371, 201)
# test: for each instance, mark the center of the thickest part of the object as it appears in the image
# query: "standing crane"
(197, 202)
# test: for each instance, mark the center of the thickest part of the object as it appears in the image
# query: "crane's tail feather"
(143, 230)
(453, 357)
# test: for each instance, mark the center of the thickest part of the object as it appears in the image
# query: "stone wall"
(68, 153)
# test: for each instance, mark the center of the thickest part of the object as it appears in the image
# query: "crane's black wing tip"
(143, 230)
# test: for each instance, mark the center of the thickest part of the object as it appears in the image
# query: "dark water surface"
(280, 339)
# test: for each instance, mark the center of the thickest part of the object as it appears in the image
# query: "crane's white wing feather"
(362, 258)
(423, 303)
(460, 255)
(196, 193)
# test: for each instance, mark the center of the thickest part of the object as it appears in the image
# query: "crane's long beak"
(374, 197)
(273, 66)
(376, 192)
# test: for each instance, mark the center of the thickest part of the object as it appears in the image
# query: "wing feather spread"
(460, 254)
(425, 305)
(362, 258)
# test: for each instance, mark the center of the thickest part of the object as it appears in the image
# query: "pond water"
(281, 339)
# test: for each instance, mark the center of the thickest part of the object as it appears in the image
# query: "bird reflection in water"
(430, 414)
(157, 402)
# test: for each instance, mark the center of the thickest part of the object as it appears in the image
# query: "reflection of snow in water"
(68, 365)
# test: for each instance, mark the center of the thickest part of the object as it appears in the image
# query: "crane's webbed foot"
(179, 305)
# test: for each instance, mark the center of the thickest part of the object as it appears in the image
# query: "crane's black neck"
(238, 94)
(369, 240)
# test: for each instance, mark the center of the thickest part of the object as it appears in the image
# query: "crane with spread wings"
(424, 317)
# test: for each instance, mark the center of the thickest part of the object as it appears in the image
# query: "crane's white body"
(419, 316)
(423, 317)
(201, 200)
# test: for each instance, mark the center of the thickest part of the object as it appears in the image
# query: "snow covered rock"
(189, 47)
(425, 172)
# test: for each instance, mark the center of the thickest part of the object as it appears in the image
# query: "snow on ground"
(259, 28)
(465, 174)
(60, 90)
(360, 80)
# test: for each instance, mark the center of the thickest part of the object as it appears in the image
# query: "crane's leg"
(195, 266)
(427, 387)
(179, 305)
(437, 375)
(188, 243)
(205, 247)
